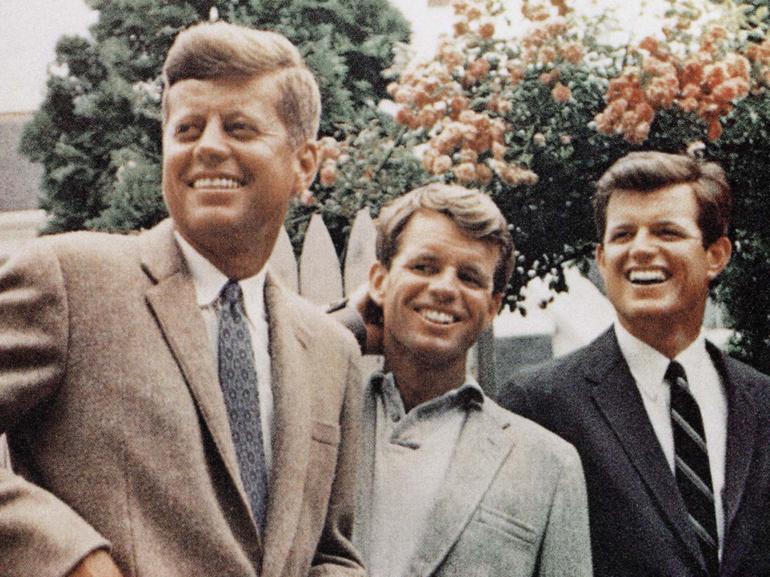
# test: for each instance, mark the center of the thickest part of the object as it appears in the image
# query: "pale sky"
(29, 30)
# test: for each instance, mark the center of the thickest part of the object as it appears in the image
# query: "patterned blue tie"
(238, 380)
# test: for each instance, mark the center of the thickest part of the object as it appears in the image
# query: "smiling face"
(437, 295)
(230, 169)
(655, 267)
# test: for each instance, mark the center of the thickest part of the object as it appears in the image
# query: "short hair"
(649, 171)
(473, 211)
(216, 50)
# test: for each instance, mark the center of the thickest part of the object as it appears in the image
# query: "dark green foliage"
(379, 164)
(98, 133)
(744, 292)
(552, 220)
(743, 151)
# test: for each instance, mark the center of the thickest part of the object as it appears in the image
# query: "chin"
(437, 356)
(651, 314)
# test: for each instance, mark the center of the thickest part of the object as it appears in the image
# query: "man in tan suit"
(136, 453)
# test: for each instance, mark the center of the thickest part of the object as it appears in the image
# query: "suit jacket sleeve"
(39, 534)
(349, 318)
(516, 399)
(566, 548)
(335, 554)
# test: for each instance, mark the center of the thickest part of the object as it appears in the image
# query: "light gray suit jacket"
(119, 433)
(513, 503)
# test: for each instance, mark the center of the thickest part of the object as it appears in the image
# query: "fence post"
(5, 459)
(360, 253)
(283, 263)
(320, 277)
(359, 257)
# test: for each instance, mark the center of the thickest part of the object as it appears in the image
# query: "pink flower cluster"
(473, 149)
(330, 152)
(545, 44)
(435, 97)
(759, 55)
(706, 83)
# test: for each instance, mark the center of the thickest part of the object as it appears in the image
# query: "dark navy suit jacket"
(638, 522)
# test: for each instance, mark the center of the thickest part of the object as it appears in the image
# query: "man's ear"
(306, 167)
(377, 275)
(599, 257)
(494, 307)
(718, 256)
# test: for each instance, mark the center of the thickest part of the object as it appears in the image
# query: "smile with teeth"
(435, 316)
(647, 276)
(219, 183)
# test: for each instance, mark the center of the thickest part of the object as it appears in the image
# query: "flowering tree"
(533, 105)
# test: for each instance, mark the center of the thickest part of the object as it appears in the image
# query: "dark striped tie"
(693, 475)
(238, 380)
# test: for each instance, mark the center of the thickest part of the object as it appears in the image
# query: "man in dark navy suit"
(674, 435)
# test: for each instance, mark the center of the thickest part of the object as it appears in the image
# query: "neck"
(668, 338)
(238, 267)
(238, 258)
(419, 382)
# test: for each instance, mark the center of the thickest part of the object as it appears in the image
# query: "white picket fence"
(318, 275)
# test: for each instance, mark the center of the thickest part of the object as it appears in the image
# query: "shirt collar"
(648, 366)
(465, 396)
(209, 280)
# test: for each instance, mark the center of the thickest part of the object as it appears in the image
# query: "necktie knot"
(675, 376)
(231, 292)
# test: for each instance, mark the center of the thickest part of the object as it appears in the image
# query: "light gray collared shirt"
(648, 367)
(412, 455)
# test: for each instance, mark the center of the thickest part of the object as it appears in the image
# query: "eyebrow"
(472, 267)
(424, 255)
(626, 224)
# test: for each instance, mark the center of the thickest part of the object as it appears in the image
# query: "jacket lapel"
(481, 449)
(292, 425)
(620, 404)
(172, 300)
(362, 523)
(741, 430)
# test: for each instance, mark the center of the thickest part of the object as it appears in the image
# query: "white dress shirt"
(413, 452)
(209, 281)
(648, 367)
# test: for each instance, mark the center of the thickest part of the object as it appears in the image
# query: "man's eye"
(620, 235)
(472, 279)
(240, 129)
(670, 233)
(186, 130)
(423, 267)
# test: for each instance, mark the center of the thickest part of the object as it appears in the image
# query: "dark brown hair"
(650, 171)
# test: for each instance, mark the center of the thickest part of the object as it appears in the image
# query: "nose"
(443, 285)
(212, 146)
(643, 245)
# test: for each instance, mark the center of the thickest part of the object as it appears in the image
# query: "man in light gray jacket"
(450, 484)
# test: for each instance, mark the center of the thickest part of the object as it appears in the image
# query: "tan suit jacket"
(119, 434)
